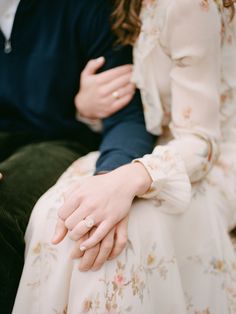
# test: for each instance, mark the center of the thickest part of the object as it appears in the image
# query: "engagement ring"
(89, 222)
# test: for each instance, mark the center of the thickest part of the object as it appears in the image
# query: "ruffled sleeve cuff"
(171, 187)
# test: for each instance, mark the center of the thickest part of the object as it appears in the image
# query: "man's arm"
(124, 134)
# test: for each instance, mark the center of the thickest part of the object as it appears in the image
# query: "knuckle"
(68, 224)
(102, 92)
(107, 112)
(89, 206)
(62, 214)
(97, 79)
(103, 103)
(76, 234)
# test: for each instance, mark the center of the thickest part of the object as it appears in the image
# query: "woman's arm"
(191, 37)
(106, 198)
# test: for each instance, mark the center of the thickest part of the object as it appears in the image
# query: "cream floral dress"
(179, 259)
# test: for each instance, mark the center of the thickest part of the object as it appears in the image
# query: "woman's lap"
(167, 257)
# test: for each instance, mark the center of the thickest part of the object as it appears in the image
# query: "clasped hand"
(106, 199)
(103, 199)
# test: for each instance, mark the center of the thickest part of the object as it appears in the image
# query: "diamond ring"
(89, 222)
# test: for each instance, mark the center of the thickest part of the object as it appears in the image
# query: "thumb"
(93, 66)
(60, 232)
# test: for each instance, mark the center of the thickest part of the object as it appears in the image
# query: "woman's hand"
(103, 94)
(109, 248)
(103, 200)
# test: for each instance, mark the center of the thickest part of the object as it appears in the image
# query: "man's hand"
(103, 94)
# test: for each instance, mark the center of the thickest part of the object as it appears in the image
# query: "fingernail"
(82, 248)
(83, 269)
(55, 237)
(100, 59)
(54, 240)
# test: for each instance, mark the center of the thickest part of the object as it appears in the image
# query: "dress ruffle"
(171, 184)
(144, 48)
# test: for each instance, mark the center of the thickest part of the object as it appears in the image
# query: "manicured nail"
(82, 248)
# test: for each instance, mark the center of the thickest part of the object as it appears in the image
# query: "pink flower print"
(187, 113)
(119, 280)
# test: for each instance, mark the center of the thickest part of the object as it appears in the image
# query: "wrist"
(138, 177)
(142, 179)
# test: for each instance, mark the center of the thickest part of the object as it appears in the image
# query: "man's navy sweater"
(51, 42)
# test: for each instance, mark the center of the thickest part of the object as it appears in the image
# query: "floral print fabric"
(180, 258)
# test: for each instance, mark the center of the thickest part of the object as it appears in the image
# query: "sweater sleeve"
(124, 134)
(191, 35)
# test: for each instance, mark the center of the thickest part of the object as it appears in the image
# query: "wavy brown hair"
(126, 23)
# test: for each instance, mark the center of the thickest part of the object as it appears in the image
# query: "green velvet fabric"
(30, 166)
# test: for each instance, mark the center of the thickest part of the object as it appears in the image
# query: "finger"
(98, 236)
(128, 89)
(112, 74)
(60, 232)
(71, 188)
(121, 102)
(93, 66)
(76, 253)
(121, 239)
(76, 217)
(106, 247)
(110, 105)
(80, 230)
(89, 256)
(116, 84)
(70, 204)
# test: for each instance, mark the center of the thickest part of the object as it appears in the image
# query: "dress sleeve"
(191, 37)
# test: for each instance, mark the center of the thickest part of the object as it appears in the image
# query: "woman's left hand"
(101, 201)
(109, 248)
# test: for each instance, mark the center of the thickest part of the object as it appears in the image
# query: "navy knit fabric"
(52, 40)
